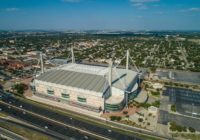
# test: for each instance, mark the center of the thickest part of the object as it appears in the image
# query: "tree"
(115, 118)
(173, 108)
(19, 88)
(140, 120)
(125, 112)
(153, 69)
(192, 130)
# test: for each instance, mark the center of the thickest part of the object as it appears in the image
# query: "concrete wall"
(92, 100)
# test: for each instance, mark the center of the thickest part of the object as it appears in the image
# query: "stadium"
(95, 88)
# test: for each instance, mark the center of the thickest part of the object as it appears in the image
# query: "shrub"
(156, 104)
(127, 116)
(155, 93)
(150, 114)
(125, 112)
(115, 118)
(145, 105)
(140, 119)
(20, 88)
(176, 127)
(192, 130)
(185, 129)
(173, 108)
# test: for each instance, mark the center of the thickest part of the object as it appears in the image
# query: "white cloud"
(71, 1)
(142, 4)
(190, 10)
(139, 16)
(13, 9)
(138, 4)
(144, 1)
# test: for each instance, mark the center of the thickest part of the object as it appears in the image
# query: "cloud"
(142, 4)
(160, 13)
(139, 16)
(12, 9)
(190, 10)
(71, 1)
(144, 1)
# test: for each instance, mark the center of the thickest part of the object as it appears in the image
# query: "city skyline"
(100, 15)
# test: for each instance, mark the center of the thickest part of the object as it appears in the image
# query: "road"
(43, 123)
(184, 55)
(16, 123)
(56, 127)
(10, 135)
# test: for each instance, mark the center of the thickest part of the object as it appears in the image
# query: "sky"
(100, 14)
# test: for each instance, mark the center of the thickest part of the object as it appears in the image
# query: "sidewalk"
(65, 106)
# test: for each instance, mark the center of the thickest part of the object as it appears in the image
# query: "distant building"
(57, 62)
(15, 65)
(157, 86)
(33, 53)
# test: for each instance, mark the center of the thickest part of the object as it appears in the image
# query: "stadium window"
(65, 95)
(50, 92)
(82, 100)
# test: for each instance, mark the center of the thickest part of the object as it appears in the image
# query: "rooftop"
(89, 69)
(87, 77)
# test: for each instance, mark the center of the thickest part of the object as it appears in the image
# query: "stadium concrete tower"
(95, 88)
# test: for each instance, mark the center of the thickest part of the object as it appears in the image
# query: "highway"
(16, 123)
(9, 135)
(46, 124)
(62, 124)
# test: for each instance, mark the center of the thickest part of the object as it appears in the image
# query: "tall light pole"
(73, 58)
(110, 75)
(41, 61)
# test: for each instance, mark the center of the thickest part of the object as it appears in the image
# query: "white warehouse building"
(95, 88)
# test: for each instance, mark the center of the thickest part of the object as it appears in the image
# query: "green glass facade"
(132, 95)
(114, 107)
(50, 92)
(82, 100)
(66, 96)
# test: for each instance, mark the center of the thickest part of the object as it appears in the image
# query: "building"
(33, 53)
(95, 88)
(57, 62)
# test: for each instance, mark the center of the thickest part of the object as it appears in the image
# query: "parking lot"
(187, 102)
(165, 117)
(180, 76)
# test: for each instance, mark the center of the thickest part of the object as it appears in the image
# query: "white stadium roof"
(88, 77)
